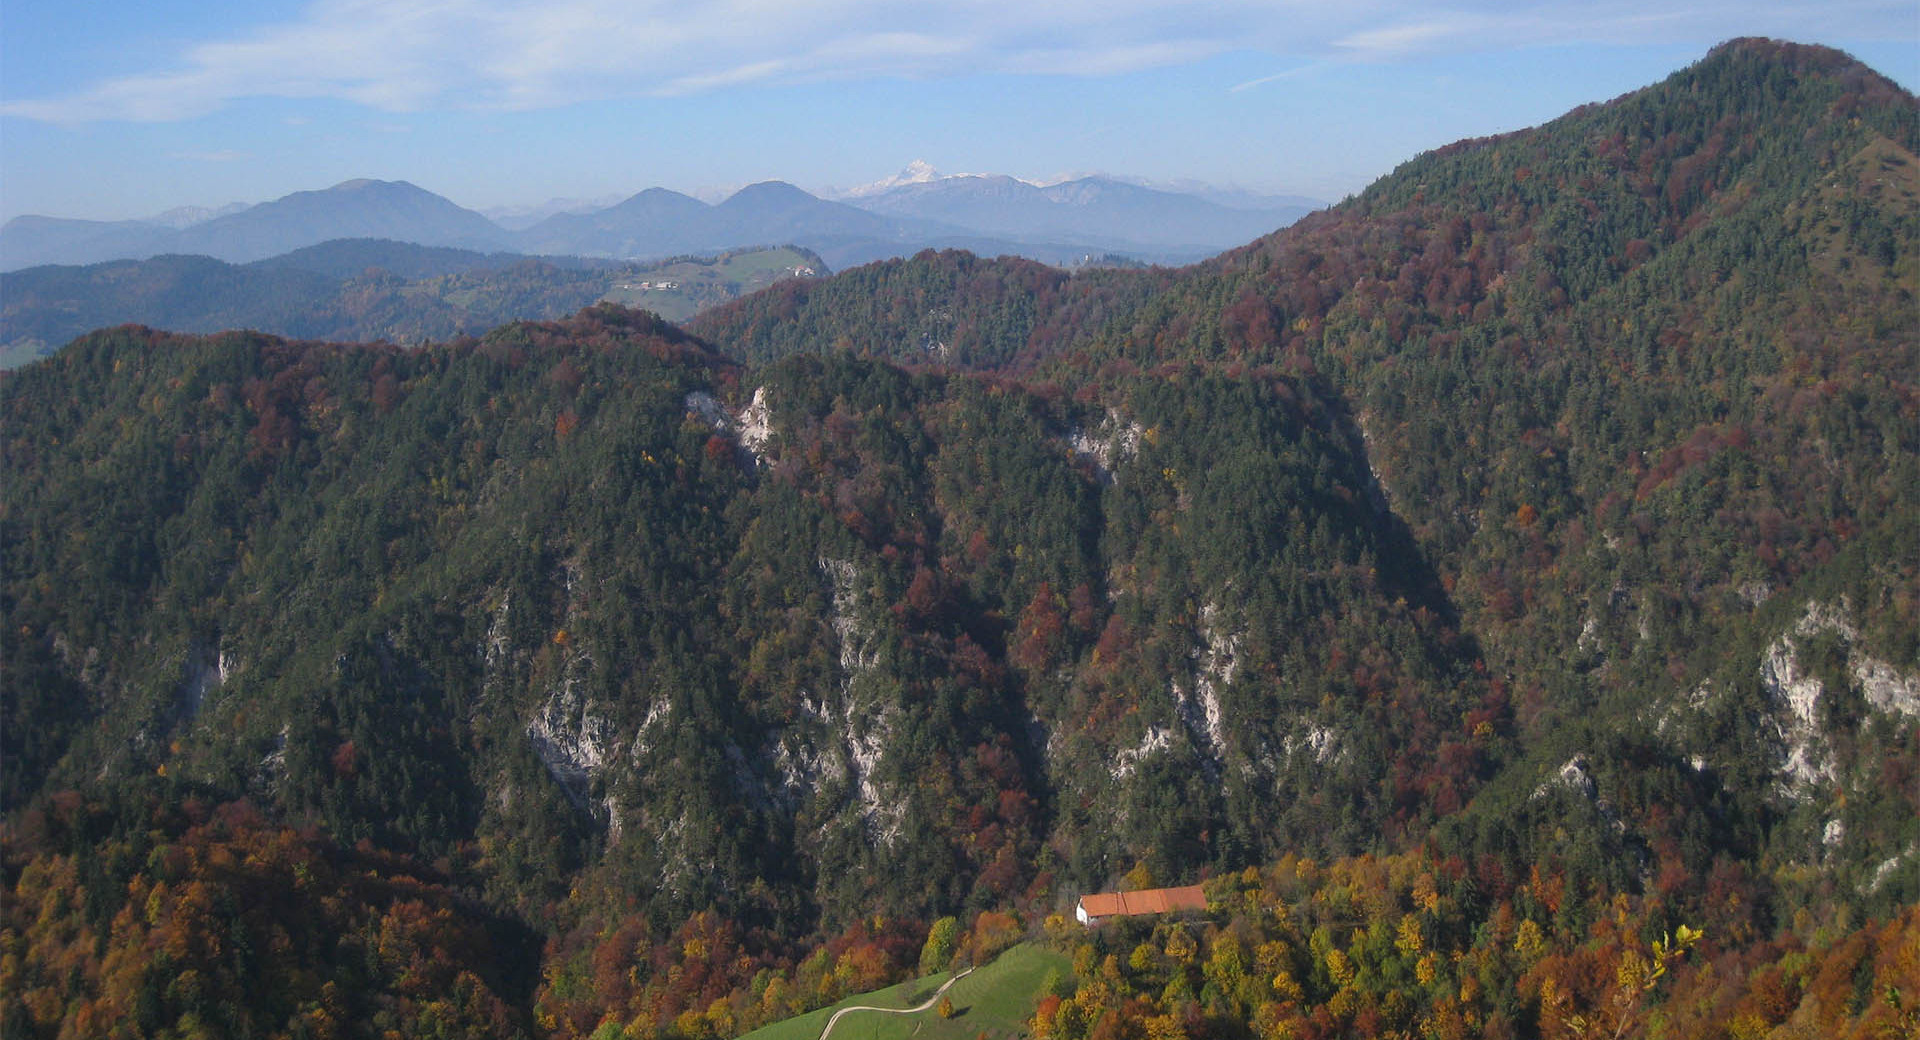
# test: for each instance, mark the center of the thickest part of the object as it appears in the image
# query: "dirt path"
(896, 1011)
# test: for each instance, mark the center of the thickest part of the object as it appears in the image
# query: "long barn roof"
(1145, 901)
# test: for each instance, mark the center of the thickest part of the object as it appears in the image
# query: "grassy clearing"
(706, 282)
(994, 1001)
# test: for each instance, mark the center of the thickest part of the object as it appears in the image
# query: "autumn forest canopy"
(1501, 591)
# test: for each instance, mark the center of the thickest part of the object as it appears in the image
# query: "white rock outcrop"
(572, 740)
(1808, 760)
(752, 427)
(1114, 441)
(1797, 692)
(1885, 687)
(859, 651)
(1314, 739)
(710, 411)
(207, 670)
(1573, 776)
(1126, 760)
(756, 425)
(1216, 659)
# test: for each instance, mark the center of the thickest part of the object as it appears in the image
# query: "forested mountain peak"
(1755, 122)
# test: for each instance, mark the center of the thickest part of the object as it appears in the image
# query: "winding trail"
(896, 1011)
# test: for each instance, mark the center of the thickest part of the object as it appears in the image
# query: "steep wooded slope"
(1641, 383)
(837, 620)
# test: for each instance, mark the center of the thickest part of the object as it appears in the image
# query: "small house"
(1096, 908)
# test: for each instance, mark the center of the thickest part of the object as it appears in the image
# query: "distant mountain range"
(1094, 211)
(520, 218)
(917, 210)
(659, 222)
(392, 210)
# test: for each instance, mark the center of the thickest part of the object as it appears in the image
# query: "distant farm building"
(1096, 908)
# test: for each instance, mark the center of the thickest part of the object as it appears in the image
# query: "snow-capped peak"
(918, 171)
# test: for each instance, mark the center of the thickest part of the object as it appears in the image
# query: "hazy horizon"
(124, 111)
(710, 194)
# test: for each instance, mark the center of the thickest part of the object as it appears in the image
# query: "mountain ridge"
(655, 222)
(1093, 211)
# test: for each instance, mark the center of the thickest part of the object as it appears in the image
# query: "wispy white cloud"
(1301, 72)
(418, 55)
(1418, 35)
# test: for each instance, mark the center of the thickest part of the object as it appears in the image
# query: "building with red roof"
(1096, 908)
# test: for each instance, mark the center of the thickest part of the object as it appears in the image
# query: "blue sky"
(116, 109)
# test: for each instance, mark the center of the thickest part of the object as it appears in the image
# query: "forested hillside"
(1640, 382)
(1491, 584)
(360, 290)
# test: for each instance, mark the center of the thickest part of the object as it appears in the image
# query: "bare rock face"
(1808, 760)
(755, 423)
(573, 741)
(751, 429)
(1885, 687)
(1797, 693)
(1114, 441)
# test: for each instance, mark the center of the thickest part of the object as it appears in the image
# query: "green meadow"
(995, 1002)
